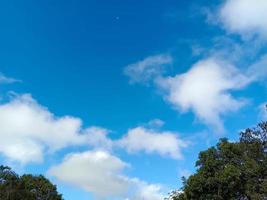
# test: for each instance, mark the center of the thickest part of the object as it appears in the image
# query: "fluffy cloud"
(97, 172)
(97, 137)
(245, 17)
(147, 69)
(4, 79)
(101, 173)
(206, 90)
(149, 192)
(28, 130)
(145, 191)
(151, 141)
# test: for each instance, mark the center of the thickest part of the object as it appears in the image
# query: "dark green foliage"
(26, 187)
(231, 170)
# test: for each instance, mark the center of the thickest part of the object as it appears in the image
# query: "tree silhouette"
(26, 187)
(231, 170)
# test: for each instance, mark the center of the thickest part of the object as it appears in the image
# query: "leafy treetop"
(26, 187)
(231, 170)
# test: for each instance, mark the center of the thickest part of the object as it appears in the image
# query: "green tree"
(231, 170)
(26, 187)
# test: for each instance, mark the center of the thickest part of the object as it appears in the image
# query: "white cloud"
(155, 123)
(97, 137)
(258, 71)
(151, 141)
(146, 70)
(4, 79)
(28, 130)
(145, 191)
(245, 17)
(97, 172)
(101, 173)
(206, 90)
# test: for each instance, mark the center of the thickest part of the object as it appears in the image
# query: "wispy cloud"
(6, 80)
(148, 69)
(258, 70)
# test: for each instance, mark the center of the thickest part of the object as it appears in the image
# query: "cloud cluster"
(29, 130)
(101, 173)
(245, 17)
(206, 89)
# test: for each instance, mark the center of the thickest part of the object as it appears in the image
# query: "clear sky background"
(114, 99)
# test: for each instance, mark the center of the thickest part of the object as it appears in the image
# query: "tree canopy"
(230, 170)
(26, 187)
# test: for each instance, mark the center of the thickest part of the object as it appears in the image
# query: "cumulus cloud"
(146, 70)
(28, 130)
(245, 17)
(206, 90)
(101, 173)
(5, 79)
(97, 172)
(150, 141)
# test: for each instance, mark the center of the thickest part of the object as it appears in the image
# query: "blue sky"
(114, 99)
